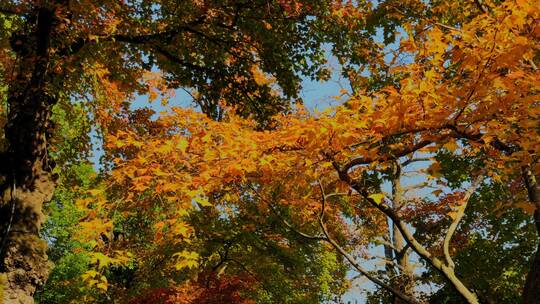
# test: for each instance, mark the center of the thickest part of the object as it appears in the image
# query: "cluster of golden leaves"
(477, 83)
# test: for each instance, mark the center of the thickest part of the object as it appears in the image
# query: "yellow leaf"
(89, 274)
(451, 146)
(182, 229)
(100, 259)
(207, 138)
(186, 259)
(165, 148)
(182, 145)
(377, 197)
(102, 286)
(203, 202)
(267, 25)
(95, 192)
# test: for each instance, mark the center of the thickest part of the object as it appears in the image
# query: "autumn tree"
(309, 182)
(495, 242)
(169, 223)
(69, 50)
(469, 90)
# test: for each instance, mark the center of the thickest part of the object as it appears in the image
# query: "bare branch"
(387, 243)
(448, 27)
(164, 35)
(323, 198)
(351, 260)
(446, 271)
(392, 262)
(413, 160)
(389, 156)
(457, 219)
(337, 194)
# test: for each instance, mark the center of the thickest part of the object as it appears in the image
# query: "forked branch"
(436, 263)
(351, 260)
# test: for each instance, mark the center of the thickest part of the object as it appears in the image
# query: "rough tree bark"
(25, 175)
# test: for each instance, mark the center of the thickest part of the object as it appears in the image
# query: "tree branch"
(413, 160)
(388, 156)
(457, 219)
(7, 11)
(481, 6)
(178, 60)
(446, 271)
(351, 260)
(13, 10)
(134, 39)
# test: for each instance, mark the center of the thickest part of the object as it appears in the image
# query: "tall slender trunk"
(406, 279)
(25, 179)
(531, 291)
(389, 255)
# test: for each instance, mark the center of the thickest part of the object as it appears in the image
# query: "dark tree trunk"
(25, 179)
(531, 291)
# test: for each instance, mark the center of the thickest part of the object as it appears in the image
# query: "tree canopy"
(421, 179)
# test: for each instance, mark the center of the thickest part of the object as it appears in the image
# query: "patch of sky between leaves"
(317, 96)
